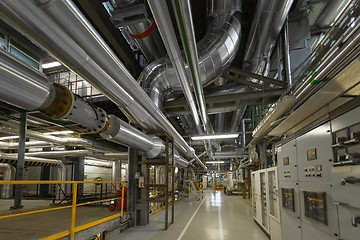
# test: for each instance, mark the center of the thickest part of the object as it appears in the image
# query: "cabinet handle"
(350, 180)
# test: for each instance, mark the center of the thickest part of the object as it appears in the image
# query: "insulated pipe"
(12, 75)
(123, 133)
(35, 23)
(167, 32)
(35, 144)
(216, 51)
(286, 47)
(268, 21)
(144, 33)
(10, 156)
(64, 153)
(54, 100)
(183, 14)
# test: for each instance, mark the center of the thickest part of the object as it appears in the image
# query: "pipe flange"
(61, 104)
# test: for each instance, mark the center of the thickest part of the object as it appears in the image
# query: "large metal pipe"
(32, 144)
(61, 42)
(82, 112)
(167, 32)
(144, 33)
(268, 21)
(14, 156)
(12, 75)
(183, 14)
(216, 51)
(123, 133)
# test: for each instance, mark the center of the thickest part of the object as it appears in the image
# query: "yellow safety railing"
(73, 228)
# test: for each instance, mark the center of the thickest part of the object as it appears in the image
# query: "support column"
(131, 197)
(79, 174)
(20, 161)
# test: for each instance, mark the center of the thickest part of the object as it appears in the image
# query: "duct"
(268, 21)
(32, 144)
(144, 33)
(14, 156)
(8, 174)
(57, 41)
(167, 32)
(216, 51)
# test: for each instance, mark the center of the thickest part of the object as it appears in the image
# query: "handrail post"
(73, 212)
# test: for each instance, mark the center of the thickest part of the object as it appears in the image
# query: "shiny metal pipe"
(236, 119)
(216, 51)
(287, 53)
(33, 144)
(13, 156)
(167, 32)
(77, 26)
(123, 133)
(22, 85)
(183, 14)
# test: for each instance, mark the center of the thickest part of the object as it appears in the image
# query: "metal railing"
(73, 228)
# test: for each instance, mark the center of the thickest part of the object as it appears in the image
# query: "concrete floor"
(41, 225)
(216, 217)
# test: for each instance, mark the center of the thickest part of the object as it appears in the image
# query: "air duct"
(216, 51)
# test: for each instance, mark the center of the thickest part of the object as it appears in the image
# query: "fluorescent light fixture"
(50, 65)
(9, 137)
(214, 162)
(59, 133)
(215, 136)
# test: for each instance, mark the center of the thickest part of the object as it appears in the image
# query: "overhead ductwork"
(267, 23)
(216, 51)
(13, 157)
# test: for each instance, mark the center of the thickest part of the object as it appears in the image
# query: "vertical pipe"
(286, 50)
(20, 161)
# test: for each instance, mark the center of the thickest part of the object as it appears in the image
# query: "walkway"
(216, 217)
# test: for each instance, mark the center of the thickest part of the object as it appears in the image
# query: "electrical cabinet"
(319, 182)
(346, 197)
(266, 209)
(274, 203)
(290, 210)
(287, 162)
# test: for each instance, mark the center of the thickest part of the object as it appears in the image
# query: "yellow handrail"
(73, 228)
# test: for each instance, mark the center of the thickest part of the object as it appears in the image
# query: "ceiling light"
(50, 65)
(214, 162)
(215, 136)
(9, 137)
(59, 133)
